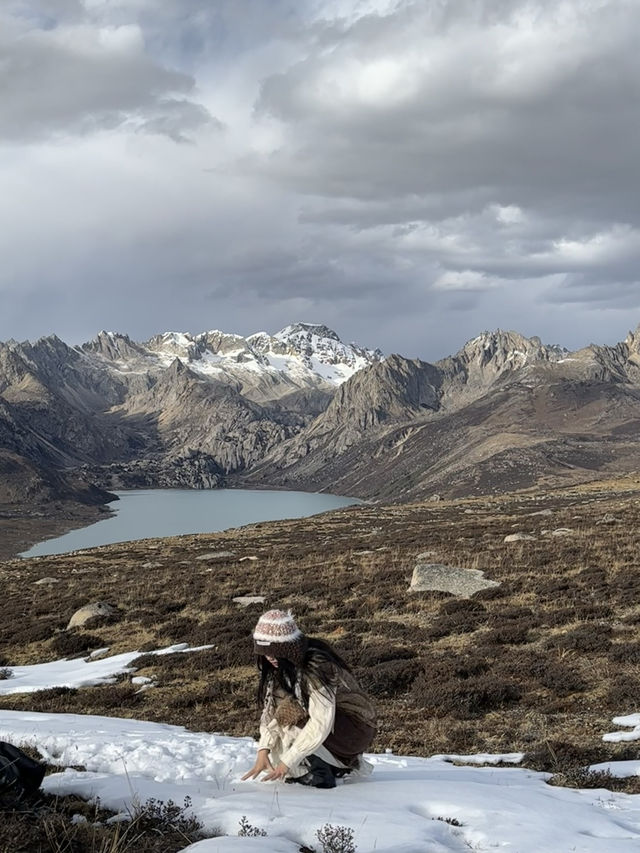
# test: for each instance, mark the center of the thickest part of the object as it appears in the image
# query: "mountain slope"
(504, 413)
(178, 410)
(300, 409)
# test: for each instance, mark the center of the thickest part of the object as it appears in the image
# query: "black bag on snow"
(19, 775)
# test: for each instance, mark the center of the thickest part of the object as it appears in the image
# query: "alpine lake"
(152, 513)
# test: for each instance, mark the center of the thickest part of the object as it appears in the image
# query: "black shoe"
(341, 772)
(319, 775)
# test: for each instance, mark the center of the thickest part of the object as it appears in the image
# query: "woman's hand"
(278, 773)
(261, 766)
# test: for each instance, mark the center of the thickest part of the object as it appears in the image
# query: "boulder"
(246, 600)
(99, 609)
(519, 537)
(47, 581)
(441, 578)
(563, 531)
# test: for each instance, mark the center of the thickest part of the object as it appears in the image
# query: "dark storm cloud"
(411, 173)
(432, 118)
(522, 111)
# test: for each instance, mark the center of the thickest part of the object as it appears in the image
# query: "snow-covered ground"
(402, 807)
(399, 808)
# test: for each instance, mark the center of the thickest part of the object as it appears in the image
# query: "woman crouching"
(316, 721)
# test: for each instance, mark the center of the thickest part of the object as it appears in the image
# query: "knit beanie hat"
(277, 635)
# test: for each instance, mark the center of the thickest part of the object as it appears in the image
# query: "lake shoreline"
(22, 528)
(156, 513)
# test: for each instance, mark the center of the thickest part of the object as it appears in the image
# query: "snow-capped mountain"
(300, 408)
(318, 348)
(302, 354)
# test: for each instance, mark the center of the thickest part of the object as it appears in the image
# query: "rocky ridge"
(506, 412)
(300, 409)
(177, 410)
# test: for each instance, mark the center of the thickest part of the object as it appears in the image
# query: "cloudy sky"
(410, 172)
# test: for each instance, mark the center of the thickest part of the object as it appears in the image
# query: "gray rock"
(246, 600)
(438, 577)
(519, 537)
(152, 564)
(47, 581)
(99, 653)
(563, 531)
(91, 611)
(216, 555)
(543, 512)
(243, 559)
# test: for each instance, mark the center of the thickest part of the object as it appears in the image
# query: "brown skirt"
(349, 739)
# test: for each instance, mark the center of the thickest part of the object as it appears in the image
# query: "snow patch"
(401, 808)
(632, 720)
(79, 672)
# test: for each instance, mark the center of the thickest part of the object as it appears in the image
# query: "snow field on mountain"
(305, 353)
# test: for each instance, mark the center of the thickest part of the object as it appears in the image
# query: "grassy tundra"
(539, 664)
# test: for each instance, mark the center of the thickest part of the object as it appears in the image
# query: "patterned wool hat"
(278, 636)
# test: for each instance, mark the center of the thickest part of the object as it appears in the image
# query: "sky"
(408, 172)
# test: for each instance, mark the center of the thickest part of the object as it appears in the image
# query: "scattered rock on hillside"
(216, 555)
(563, 531)
(543, 512)
(99, 609)
(519, 537)
(246, 600)
(47, 581)
(441, 578)
(243, 559)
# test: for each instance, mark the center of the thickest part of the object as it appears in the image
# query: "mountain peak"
(113, 346)
(509, 349)
(309, 330)
(321, 350)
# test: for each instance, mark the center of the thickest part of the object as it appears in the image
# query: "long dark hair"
(286, 675)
